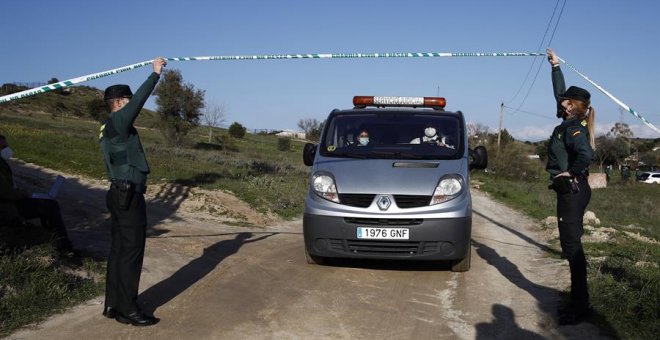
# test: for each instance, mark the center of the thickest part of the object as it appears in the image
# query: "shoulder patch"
(577, 132)
(101, 130)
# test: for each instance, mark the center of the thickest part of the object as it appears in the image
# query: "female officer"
(569, 153)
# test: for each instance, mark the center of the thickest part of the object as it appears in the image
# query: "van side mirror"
(309, 152)
(478, 158)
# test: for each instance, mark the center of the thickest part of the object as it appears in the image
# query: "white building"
(292, 134)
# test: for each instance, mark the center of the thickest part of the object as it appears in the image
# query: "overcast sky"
(615, 43)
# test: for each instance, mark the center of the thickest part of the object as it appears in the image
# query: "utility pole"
(499, 133)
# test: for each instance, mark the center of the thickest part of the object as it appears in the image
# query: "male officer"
(127, 170)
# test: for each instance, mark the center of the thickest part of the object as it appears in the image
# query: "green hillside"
(53, 130)
(75, 101)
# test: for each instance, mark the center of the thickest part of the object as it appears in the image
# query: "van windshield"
(393, 135)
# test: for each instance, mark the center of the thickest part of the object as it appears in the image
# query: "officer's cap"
(117, 91)
(576, 93)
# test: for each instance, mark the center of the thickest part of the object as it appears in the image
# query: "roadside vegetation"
(36, 280)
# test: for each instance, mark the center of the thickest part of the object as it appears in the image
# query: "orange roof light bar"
(362, 101)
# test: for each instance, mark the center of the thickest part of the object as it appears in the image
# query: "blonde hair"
(585, 110)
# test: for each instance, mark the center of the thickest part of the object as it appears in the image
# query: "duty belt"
(123, 185)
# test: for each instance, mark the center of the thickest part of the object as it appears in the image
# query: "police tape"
(615, 99)
(71, 82)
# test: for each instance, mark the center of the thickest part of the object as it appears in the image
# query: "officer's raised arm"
(558, 82)
(127, 112)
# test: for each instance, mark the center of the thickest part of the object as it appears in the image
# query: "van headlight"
(324, 185)
(448, 189)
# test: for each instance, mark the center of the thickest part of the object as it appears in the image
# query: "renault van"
(390, 180)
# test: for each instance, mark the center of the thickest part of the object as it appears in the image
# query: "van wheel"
(313, 259)
(464, 264)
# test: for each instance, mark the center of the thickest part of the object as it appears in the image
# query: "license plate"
(383, 233)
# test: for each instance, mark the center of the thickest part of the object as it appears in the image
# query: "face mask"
(6, 153)
(364, 140)
(429, 132)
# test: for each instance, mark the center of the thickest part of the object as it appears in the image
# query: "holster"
(125, 191)
(564, 185)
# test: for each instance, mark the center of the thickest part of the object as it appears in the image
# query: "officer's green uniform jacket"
(569, 148)
(120, 142)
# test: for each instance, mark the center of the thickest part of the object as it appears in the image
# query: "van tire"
(313, 259)
(462, 265)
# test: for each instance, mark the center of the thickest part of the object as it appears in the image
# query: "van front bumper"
(429, 238)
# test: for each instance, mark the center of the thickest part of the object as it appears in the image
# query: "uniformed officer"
(127, 169)
(569, 153)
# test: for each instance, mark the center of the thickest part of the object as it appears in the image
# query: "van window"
(393, 135)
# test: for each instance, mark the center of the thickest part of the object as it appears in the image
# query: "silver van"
(390, 180)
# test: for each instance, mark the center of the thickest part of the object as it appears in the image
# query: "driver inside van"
(431, 137)
(363, 138)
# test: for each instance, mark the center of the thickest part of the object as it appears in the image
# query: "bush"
(226, 143)
(97, 109)
(513, 163)
(237, 130)
(284, 143)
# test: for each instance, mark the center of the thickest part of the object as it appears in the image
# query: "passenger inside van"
(431, 136)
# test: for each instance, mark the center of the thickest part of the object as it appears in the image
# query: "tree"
(620, 130)
(97, 109)
(505, 138)
(60, 90)
(542, 149)
(610, 150)
(214, 115)
(237, 130)
(179, 106)
(477, 134)
(312, 128)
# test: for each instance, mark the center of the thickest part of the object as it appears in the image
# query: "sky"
(615, 43)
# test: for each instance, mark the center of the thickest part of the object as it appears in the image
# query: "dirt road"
(208, 277)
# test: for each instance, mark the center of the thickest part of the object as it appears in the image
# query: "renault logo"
(384, 202)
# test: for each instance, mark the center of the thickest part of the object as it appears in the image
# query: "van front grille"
(357, 200)
(402, 201)
(411, 201)
(377, 247)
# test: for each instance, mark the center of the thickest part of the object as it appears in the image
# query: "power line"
(541, 64)
(538, 50)
(529, 113)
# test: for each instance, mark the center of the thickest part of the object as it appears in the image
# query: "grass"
(36, 281)
(624, 273)
(253, 169)
(630, 206)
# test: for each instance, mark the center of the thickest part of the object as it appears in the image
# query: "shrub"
(284, 143)
(97, 109)
(237, 130)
